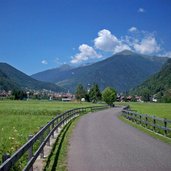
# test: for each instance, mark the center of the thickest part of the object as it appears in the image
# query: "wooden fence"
(44, 137)
(159, 125)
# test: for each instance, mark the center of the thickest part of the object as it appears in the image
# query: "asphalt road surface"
(102, 142)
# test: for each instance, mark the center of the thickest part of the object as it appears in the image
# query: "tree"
(19, 94)
(95, 93)
(109, 95)
(145, 95)
(80, 92)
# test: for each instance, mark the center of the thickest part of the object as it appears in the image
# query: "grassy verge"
(57, 161)
(162, 110)
(147, 131)
(19, 119)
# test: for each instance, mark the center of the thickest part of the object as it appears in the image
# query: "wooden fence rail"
(159, 125)
(47, 131)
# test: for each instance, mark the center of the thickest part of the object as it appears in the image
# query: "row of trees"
(94, 94)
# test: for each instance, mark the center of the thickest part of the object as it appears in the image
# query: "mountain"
(122, 71)
(51, 74)
(158, 84)
(11, 78)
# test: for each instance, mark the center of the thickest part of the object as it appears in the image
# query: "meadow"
(19, 119)
(162, 110)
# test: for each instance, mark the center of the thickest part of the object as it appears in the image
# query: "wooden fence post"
(57, 124)
(165, 125)
(146, 120)
(5, 156)
(42, 152)
(140, 119)
(30, 152)
(154, 123)
(53, 134)
(48, 142)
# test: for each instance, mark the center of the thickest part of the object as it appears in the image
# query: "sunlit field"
(19, 119)
(162, 110)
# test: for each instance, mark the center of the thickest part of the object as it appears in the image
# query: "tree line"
(94, 94)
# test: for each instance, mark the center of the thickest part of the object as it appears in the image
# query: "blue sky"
(36, 35)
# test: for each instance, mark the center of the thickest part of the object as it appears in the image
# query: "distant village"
(40, 95)
(50, 95)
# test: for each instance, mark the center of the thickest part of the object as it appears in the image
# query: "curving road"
(101, 142)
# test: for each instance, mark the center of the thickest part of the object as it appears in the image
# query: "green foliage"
(95, 94)
(159, 85)
(19, 94)
(80, 92)
(166, 96)
(11, 78)
(109, 95)
(145, 95)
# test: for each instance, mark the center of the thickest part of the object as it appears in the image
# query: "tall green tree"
(109, 95)
(80, 92)
(95, 94)
(19, 94)
(146, 94)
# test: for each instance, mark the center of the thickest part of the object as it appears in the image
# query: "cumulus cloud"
(105, 40)
(86, 52)
(45, 62)
(147, 45)
(108, 42)
(132, 29)
(136, 40)
(121, 47)
(141, 10)
(139, 41)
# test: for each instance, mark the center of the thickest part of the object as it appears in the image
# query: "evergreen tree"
(95, 94)
(80, 92)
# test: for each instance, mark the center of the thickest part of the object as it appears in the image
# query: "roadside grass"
(38, 107)
(57, 161)
(147, 131)
(19, 119)
(162, 110)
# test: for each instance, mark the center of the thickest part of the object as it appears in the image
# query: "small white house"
(83, 100)
(66, 99)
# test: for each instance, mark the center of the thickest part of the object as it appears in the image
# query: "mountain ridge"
(159, 84)
(13, 78)
(123, 71)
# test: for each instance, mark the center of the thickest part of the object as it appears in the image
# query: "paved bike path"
(102, 142)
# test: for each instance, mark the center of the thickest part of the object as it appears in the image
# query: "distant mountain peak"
(126, 52)
(122, 71)
(65, 67)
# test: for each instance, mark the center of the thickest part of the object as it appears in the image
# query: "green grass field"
(19, 119)
(162, 110)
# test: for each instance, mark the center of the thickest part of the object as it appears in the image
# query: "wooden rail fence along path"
(43, 136)
(158, 125)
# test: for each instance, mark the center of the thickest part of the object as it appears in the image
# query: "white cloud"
(147, 45)
(132, 29)
(166, 54)
(45, 62)
(139, 41)
(108, 42)
(86, 53)
(105, 41)
(121, 47)
(141, 10)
